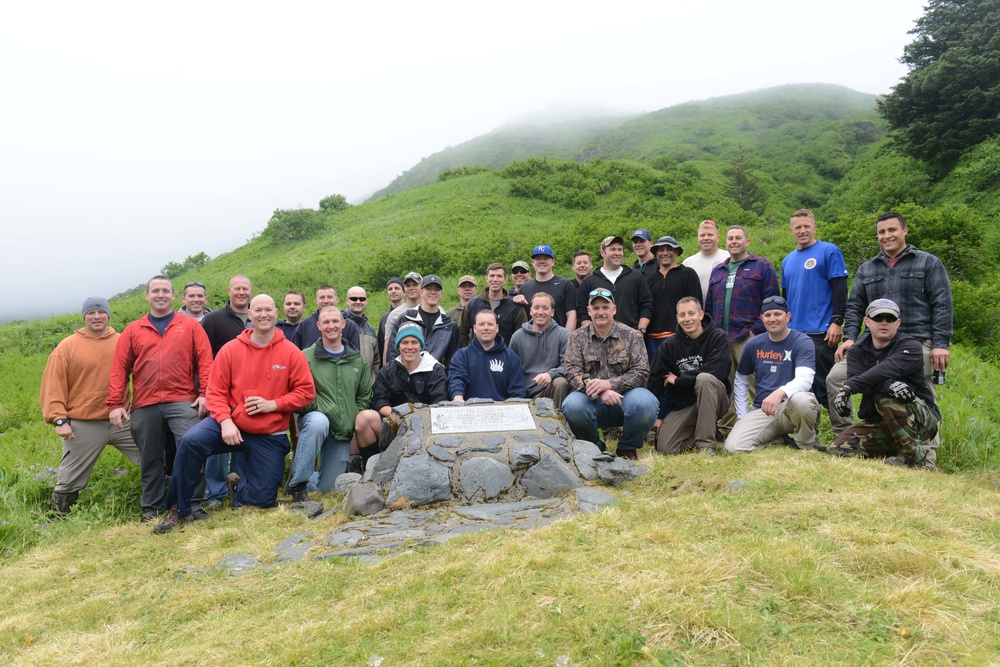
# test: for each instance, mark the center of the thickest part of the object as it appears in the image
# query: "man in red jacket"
(162, 352)
(257, 381)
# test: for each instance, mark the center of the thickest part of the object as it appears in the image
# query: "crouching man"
(782, 362)
(607, 366)
(898, 409)
(690, 373)
(257, 381)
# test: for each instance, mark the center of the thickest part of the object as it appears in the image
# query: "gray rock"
(310, 508)
(591, 500)
(449, 441)
(237, 563)
(297, 553)
(524, 455)
(440, 453)
(734, 486)
(493, 441)
(619, 471)
(498, 511)
(486, 474)
(402, 410)
(583, 455)
(559, 446)
(549, 426)
(526, 437)
(544, 407)
(412, 534)
(420, 480)
(360, 551)
(482, 450)
(478, 401)
(328, 513)
(413, 444)
(417, 426)
(363, 500)
(370, 468)
(548, 478)
(346, 481)
(290, 541)
(385, 468)
(345, 538)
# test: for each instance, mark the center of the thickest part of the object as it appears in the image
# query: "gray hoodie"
(540, 352)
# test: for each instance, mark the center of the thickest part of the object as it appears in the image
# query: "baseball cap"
(643, 234)
(600, 293)
(879, 306)
(429, 280)
(521, 265)
(468, 279)
(414, 276)
(608, 240)
(542, 250)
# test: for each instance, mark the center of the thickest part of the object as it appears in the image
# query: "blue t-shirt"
(805, 277)
(773, 364)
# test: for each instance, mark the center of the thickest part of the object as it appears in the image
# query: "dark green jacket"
(343, 388)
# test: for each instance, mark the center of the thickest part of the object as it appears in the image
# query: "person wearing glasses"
(782, 361)
(520, 273)
(441, 336)
(918, 282)
(194, 297)
(899, 413)
(607, 367)
(357, 301)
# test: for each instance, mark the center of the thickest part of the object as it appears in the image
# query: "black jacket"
(221, 326)
(680, 281)
(632, 297)
(867, 374)
(394, 385)
(686, 357)
(510, 317)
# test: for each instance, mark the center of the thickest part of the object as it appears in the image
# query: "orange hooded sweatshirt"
(75, 381)
(277, 371)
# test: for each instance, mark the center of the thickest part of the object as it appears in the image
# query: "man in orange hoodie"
(74, 399)
(163, 352)
(257, 381)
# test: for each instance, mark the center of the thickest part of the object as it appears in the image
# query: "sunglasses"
(600, 292)
(195, 283)
(777, 300)
(519, 271)
(884, 317)
(357, 298)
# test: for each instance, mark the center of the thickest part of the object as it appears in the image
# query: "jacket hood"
(244, 338)
(425, 365)
(527, 327)
(319, 352)
(82, 331)
(498, 345)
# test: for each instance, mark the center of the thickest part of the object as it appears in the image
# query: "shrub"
(292, 225)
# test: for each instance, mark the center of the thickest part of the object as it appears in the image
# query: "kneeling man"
(782, 362)
(898, 408)
(691, 374)
(257, 381)
(343, 382)
(485, 368)
(607, 365)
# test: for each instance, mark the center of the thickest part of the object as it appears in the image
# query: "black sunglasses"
(357, 298)
(884, 317)
(195, 283)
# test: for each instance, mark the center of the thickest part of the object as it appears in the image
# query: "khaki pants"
(557, 390)
(735, 352)
(796, 415)
(695, 425)
(80, 454)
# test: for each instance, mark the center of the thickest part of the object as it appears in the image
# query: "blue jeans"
(314, 438)
(264, 463)
(636, 415)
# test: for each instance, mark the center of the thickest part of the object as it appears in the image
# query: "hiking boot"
(149, 515)
(170, 521)
(354, 464)
(629, 454)
(299, 493)
(707, 451)
(199, 514)
(908, 462)
(62, 502)
(231, 481)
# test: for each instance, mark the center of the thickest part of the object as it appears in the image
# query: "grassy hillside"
(518, 140)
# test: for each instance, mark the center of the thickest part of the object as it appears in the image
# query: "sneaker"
(629, 454)
(199, 514)
(149, 515)
(299, 493)
(170, 521)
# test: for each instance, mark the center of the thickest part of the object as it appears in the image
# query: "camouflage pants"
(904, 428)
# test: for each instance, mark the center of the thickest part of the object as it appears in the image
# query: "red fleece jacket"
(277, 371)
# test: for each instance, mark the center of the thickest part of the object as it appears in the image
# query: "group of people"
(684, 354)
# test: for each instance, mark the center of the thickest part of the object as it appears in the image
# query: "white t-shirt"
(703, 265)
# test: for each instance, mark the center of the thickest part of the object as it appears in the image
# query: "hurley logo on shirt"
(496, 365)
(774, 355)
(278, 367)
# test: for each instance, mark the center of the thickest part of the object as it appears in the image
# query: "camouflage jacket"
(621, 357)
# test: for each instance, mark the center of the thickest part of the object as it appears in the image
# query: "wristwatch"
(839, 321)
(60, 422)
(642, 330)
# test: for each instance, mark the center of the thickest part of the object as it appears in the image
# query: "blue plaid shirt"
(755, 281)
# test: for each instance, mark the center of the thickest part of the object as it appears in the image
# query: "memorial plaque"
(482, 419)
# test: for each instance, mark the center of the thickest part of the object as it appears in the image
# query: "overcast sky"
(133, 134)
